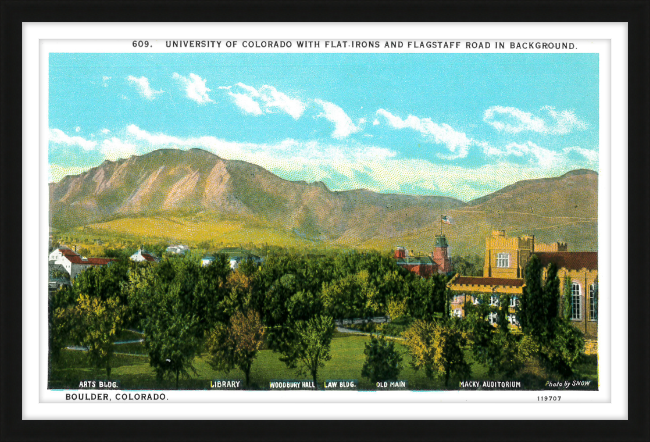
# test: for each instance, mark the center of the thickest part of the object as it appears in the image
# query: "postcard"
(347, 218)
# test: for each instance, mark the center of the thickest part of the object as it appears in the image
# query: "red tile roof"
(76, 259)
(148, 257)
(68, 252)
(470, 280)
(570, 260)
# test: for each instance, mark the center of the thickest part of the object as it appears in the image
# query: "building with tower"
(426, 265)
(503, 274)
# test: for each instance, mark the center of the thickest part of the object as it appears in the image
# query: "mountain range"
(192, 185)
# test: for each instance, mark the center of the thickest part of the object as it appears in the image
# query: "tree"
(351, 296)
(564, 349)
(538, 310)
(239, 296)
(567, 298)
(97, 324)
(171, 337)
(397, 309)
(238, 344)
(311, 347)
(383, 362)
(470, 265)
(559, 343)
(60, 328)
(103, 282)
(437, 348)
(551, 295)
(428, 297)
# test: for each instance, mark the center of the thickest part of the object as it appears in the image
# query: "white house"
(207, 260)
(73, 263)
(143, 255)
(58, 253)
(178, 249)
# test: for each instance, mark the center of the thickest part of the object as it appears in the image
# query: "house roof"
(470, 280)
(415, 260)
(570, 260)
(76, 259)
(148, 257)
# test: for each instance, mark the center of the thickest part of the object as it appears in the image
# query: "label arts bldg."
(503, 274)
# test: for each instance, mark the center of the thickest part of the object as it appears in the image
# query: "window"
(512, 319)
(503, 260)
(494, 300)
(458, 313)
(575, 301)
(592, 302)
(492, 317)
(477, 300)
(513, 301)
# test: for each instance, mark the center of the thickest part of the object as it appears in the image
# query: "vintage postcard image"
(359, 216)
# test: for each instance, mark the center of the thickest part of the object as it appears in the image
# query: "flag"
(446, 219)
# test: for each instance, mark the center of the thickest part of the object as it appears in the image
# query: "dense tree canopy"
(438, 348)
(383, 361)
(237, 344)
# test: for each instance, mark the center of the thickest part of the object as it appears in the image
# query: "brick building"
(437, 261)
(503, 273)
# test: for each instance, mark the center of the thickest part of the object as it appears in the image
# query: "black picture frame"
(14, 13)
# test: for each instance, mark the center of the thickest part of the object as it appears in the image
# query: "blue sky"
(459, 125)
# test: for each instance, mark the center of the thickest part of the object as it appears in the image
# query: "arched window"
(592, 302)
(575, 301)
(503, 260)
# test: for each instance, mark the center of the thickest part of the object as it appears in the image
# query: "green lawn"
(134, 372)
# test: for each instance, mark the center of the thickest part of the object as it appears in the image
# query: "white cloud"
(274, 99)
(77, 129)
(286, 151)
(195, 88)
(246, 103)
(105, 131)
(105, 80)
(513, 120)
(57, 136)
(543, 157)
(588, 154)
(114, 149)
(457, 142)
(375, 122)
(266, 99)
(142, 84)
(565, 121)
(343, 125)
(250, 90)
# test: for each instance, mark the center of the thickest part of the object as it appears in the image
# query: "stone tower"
(440, 254)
